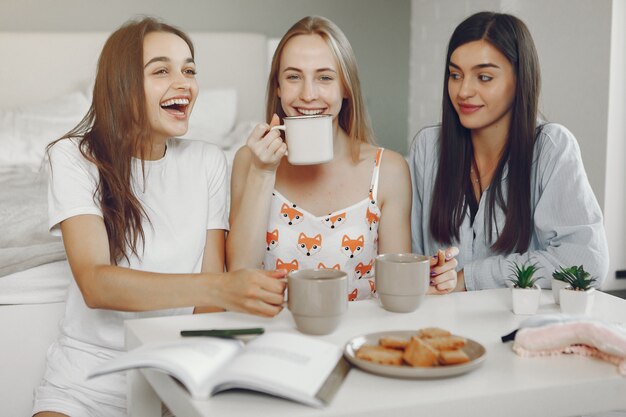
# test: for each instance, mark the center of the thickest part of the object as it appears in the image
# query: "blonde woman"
(339, 214)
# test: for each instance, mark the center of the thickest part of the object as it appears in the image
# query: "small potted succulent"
(559, 280)
(525, 291)
(577, 297)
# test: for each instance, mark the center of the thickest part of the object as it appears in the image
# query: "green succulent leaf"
(562, 273)
(522, 275)
(576, 277)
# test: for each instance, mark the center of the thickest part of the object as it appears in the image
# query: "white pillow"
(213, 116)
(26, 131)
(236, 139)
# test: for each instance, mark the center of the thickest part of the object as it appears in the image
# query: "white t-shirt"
(185, 194)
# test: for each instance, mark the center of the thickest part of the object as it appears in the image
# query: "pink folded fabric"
(555, 335)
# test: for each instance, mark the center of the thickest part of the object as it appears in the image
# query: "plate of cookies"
(425, 353)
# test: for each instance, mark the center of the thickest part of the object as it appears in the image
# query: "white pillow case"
(26, 131)
(213, 116)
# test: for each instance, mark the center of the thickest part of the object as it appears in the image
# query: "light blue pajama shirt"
(566, 218)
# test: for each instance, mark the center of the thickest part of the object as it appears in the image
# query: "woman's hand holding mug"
(266, 145)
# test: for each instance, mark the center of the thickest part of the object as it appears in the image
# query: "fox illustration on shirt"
(371, 218)
(271, 238)
(352, 247)
(290, 215)
(371, 196)
(322, 266)
(372, 286)
(335, 221)
(343, 240)
(291, 266)
(309, 245)
(364, 270)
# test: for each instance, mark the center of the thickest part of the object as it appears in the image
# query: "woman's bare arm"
(252, 183)
(107, 286)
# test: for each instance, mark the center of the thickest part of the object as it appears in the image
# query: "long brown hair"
(353, 116)
(511, 37)
(116, 128)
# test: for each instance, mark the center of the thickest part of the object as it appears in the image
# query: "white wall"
(573, 44)
(615, 190)
(432, 24)
(576, 51)
(377, 29)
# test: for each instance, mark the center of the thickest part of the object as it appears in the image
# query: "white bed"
(45, 85)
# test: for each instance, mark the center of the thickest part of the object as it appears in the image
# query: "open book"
(292, 366)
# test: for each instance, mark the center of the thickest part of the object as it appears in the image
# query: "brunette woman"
(494, 180)
(142, 215)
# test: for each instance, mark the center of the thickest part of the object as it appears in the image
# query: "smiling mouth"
(176, 106)
(309, 112)
(468, 108)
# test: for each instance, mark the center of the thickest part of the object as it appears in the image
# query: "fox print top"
(346, 239)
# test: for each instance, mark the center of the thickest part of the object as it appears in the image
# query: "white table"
(505, 385)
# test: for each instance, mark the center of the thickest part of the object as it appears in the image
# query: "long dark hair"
(116, 128)
(511, 37)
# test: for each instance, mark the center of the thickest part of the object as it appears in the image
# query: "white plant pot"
(526, 300)
(557, 286)
(576, 302)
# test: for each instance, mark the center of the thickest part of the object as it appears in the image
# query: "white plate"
(474, 350)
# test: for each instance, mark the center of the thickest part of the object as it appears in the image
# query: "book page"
(193, 362)
(283, 364)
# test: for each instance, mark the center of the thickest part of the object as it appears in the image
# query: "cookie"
(441, 257)
(429, 332)
(447, 342)
(379, 354)
(393, 342)
(453, 357)
(420, 353)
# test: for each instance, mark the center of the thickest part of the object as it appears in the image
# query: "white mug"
(309, 138)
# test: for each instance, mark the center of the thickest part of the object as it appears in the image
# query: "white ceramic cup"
(402, 280)
(309, 138)
(557, 286)
(318, 299)
(579, 303)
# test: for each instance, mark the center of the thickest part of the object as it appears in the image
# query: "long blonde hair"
(353, 117)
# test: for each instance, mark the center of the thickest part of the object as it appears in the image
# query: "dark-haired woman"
(494, 180)
(142, 215)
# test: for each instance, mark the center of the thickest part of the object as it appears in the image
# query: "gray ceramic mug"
(318, 299)
(402, 280)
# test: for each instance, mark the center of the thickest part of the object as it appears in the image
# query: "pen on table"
(223, 333)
